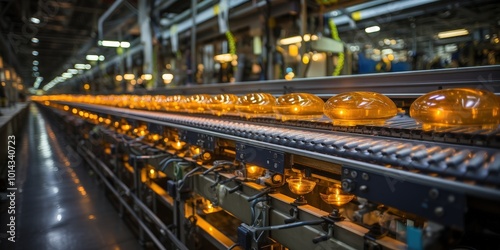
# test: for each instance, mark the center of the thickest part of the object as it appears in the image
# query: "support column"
(193, 42)
(146, 38)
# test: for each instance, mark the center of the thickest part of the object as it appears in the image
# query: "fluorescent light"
(372, 29)
(147, 77)
(35, 20)
(225, 57)
(82, 66)
(290, 40)
(37, 82)
(35, 53)
(298, 39)
(67, 75)
(73, 71)
(128, 76)
(35, 68)
(167, 76)
(35, 62)
(34, 40)
(452, 33)
(114, 44)
(94, 57)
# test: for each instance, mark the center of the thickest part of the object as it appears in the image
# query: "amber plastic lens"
(222, 103)
(358, 108)
(173, 102)
(457, 107)
(256, 105)
(195, 103)
(300, 186)
(299, 106)
(158, 102)
(336, 196)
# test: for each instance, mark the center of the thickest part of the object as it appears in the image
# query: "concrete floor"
(58, 205)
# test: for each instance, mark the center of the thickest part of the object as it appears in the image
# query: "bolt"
(365, 176)
(354, 174)
(433, 193)
(346, 171)
(363, 188)
(451, 198)
(439, 211)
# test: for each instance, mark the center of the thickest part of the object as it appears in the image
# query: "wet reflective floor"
(59, 206)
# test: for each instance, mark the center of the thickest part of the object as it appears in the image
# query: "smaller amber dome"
(173, 102)
(358, 108)
(299, 106)
(195, 103)
(256, 105)
(457, 107)
(222, 103)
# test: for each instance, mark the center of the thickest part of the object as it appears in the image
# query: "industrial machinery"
(192, 172)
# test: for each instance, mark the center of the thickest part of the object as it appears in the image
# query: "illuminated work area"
(233, 124)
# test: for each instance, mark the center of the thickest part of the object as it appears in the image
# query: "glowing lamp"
(256, 105)
(195, 103)
(336, 196)
(457, 107)
(300, 187)
(358, 108)
(299, 106)
(222, 103)
(173, 102)
(178, 145)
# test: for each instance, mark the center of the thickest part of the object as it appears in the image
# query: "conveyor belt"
(397, 127)
(469, 168)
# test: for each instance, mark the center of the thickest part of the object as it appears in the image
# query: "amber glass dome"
(173, 102)
(195, 103)
(457, 107)
(256, 105)
(357, 108)
(299, 106)
(222, 103)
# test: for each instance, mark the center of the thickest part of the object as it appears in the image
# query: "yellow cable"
(335, 36)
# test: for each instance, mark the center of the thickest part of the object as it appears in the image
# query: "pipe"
(286, 226)
(105, 16)
(380, 10)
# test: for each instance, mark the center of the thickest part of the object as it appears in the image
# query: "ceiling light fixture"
(82, 66)
(35, 53)
(128, 76)
(147, 77)
(114, 44)
(72, 71)
(35, 40)
(298, 39)
(372, 29)
(35, 62)
(95, 57)
(35, 20)
(452, 33)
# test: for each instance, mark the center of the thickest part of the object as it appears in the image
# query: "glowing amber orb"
(457, 107)
(256, 105)
(300, 186)
(222, 103)
(173, 102)
(357, 108)
(195, 103)
(299, 106)
(336, 196)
